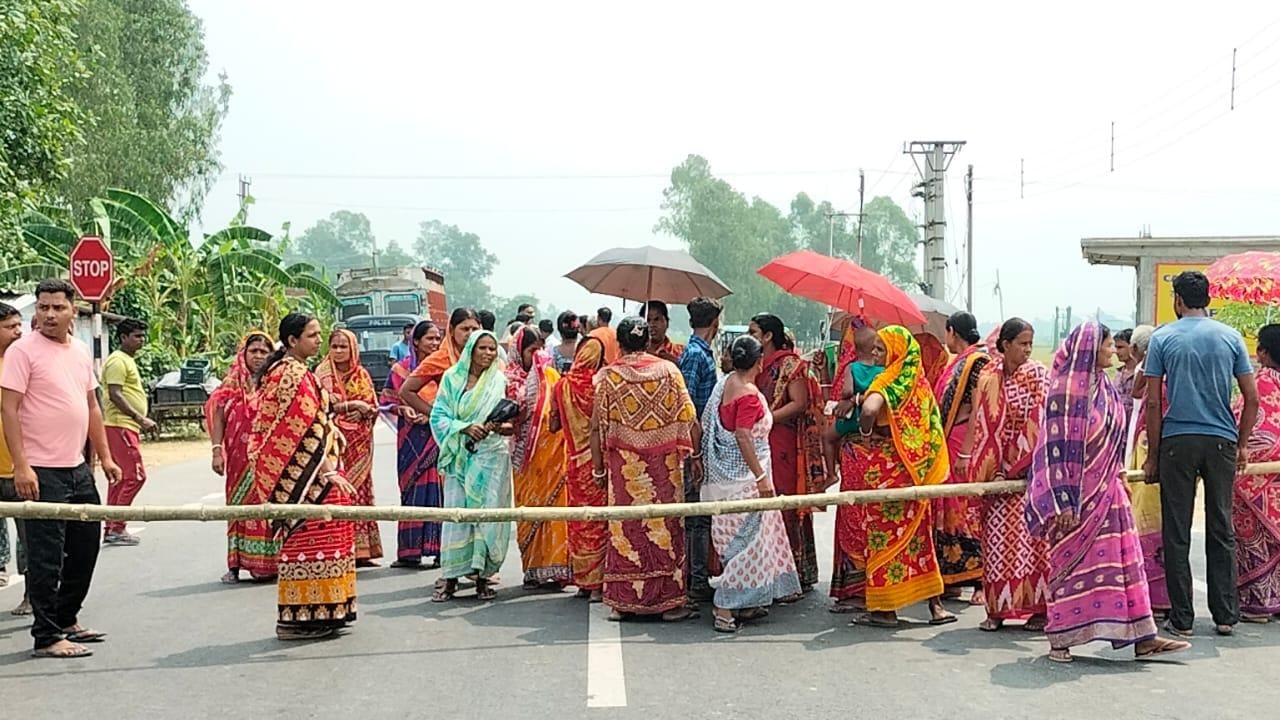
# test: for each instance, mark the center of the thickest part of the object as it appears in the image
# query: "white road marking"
(606, 677)
(1200, 585)
(135, 529)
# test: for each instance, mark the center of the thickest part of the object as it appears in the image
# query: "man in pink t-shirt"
(49, 407)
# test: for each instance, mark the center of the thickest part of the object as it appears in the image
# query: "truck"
(378, 303)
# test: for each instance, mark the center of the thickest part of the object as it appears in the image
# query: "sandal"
(1036, 624)
(78, 634)
(1225, 630)
(990, 625)
(1255, 619)
(617, 616)
(680, 614)
(444, 590)
(1169, 628)
(290, 634)
(846, 607)
(484, 591)
(1060, 656)
(68, 651)
(1162, 646)
(945, 619)
(872, 620)
(790, 599)
(725, 624)
(231, 578)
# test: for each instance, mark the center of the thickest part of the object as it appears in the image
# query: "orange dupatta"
(433, 367)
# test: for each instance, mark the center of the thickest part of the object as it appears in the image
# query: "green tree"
(155, 118)
(466, 265)
(40, 123)
(394, 256)
(341, 241)
(506, 308)
(889, 242)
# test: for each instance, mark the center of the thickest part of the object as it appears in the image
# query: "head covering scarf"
(1077, 388)
(913, 413)
(848, 355)
(934, 358)
(433, 367)
(517, 375)
(237, 385)
(457, 408)
(353, 384)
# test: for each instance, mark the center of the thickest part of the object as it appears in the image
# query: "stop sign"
(91, 268)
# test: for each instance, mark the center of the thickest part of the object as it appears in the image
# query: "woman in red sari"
(296, 451)
(1256, 504)
(796, 438)
(356, 406)
(230, 409)
(901, 445)
(1008, 407)
(957, 530)
(849, 566)
(643, 427)
(571, 406)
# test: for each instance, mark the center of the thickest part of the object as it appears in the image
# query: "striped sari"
(480, 479)
(416, 457)
(572, 401)
(538, 460)
(902, 564)
(1007, 411)
(357, 458)
(251, 544)
(958, 520)
(292, 438)
(1097, 588)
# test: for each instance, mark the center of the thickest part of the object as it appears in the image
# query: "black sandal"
(444, 590)
(484, 591)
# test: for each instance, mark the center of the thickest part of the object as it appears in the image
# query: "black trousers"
(1183, 459)
(697, 531)
(61, 554)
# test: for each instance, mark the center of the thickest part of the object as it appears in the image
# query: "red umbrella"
(843, 285)
(1251, 277)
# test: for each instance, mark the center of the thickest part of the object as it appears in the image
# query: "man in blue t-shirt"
(1197, 436)
(698, 366)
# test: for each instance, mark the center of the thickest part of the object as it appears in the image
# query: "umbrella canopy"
(649, 273)
(936, 313)
(843, 285)
(1252, 277)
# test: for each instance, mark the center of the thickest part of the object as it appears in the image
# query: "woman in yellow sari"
(355, 405)
(900, 430)
(538, 459)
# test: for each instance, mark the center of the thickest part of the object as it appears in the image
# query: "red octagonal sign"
(91, 268)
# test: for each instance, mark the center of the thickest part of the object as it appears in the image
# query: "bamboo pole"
(27, 510)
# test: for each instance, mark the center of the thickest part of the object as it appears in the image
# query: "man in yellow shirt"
(125, 415)
(10, 330)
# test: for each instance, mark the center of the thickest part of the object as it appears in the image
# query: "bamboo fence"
(218, 513)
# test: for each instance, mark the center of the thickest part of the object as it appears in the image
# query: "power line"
(558, 177)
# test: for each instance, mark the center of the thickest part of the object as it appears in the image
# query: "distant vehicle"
(378, 303)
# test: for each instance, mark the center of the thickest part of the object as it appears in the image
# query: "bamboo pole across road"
(218, 513)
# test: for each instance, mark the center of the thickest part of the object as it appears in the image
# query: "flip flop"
(1169, 627)
(1064, 659)
(1163, 647)
(867, 620)
(86, 636)
(78, 651)
(944, 620)
(839, 609)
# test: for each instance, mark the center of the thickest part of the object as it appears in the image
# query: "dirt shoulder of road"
(157, 453)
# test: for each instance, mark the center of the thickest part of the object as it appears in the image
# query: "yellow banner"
(1165, 273)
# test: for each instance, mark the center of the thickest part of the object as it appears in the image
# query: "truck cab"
(375, 335)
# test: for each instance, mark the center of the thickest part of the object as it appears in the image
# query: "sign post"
(91, 271)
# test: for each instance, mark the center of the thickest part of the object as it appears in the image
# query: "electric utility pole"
(936, 156)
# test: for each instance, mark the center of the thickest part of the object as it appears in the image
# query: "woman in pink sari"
(1077, 501)
(957, 522)
(1256, 506)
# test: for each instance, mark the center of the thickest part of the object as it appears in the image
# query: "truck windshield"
(377, 338)
(352, 307)
(403, 304)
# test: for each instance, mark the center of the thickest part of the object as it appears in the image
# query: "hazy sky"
(780, 97)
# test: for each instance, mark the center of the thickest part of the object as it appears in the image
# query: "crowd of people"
(578, 412)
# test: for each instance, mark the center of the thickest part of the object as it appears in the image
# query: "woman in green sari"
(469, 391)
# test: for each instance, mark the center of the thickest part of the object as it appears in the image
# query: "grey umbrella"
(648, 273)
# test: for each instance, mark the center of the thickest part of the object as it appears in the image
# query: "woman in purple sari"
(416, 458)
(1077, 501)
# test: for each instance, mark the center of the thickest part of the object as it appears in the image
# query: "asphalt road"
(183, 645)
